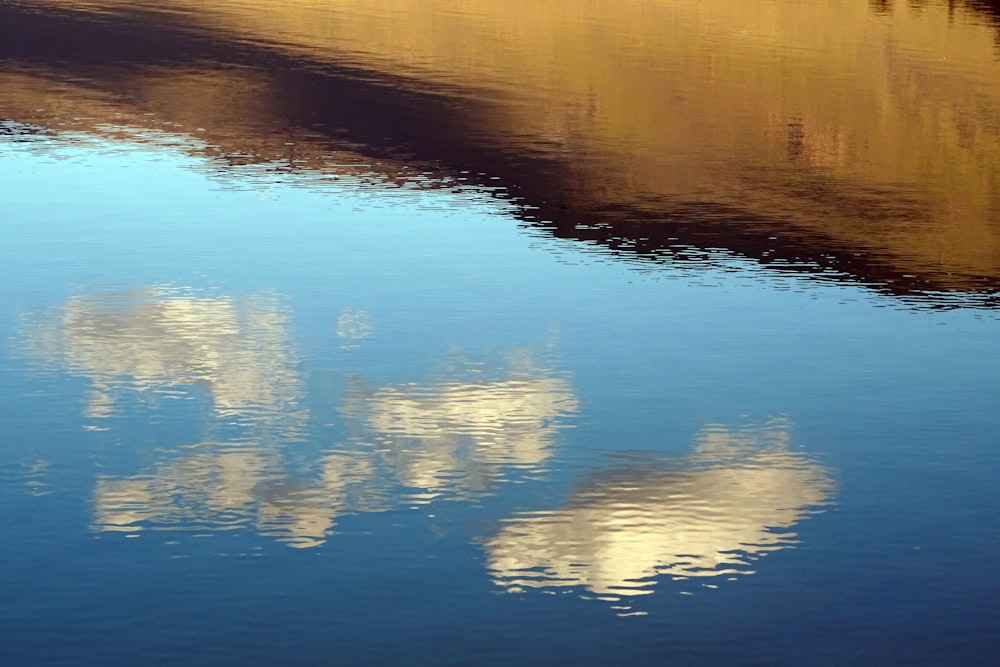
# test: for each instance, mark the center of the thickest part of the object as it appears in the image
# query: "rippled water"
(472, 333)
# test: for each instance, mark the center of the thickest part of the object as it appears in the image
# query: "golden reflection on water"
(834, 127)
(736, 498)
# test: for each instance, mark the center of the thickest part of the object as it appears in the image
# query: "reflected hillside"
(990, 9)
(842, 136)
(736, 498)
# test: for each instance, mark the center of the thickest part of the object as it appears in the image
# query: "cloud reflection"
(455, 436)
(236, 355)
(160, 338)
(353, 326)
(233, 488)
(735, 499)
(449, 438)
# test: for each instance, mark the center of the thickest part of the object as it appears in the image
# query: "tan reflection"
(852, 128)
(735, 499)
(456, 435)
(161, 338)
(227, 116)
(840, 129)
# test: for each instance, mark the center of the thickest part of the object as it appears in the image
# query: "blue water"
(261, 418)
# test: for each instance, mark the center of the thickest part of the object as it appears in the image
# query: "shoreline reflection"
(854, 155)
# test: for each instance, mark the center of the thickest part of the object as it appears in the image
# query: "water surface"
(445, 333)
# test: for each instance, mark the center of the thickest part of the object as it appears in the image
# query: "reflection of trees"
(735, 499)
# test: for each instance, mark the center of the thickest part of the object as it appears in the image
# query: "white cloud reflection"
(457, 434)
(453, 436)
(163, 338)
(151, 342)
(232, 489)
(733, 500)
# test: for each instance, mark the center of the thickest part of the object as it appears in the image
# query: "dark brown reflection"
(735, 499)
(987, 8)
(881, 6)
(806, 136)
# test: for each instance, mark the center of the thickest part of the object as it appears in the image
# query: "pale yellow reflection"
(447, 438)
(220, 490)
(736, 498)
(238, 350)
(453, 436)
(456, 434)
(353, 326)
(152, 342)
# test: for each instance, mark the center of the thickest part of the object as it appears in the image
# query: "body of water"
(455, 332)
